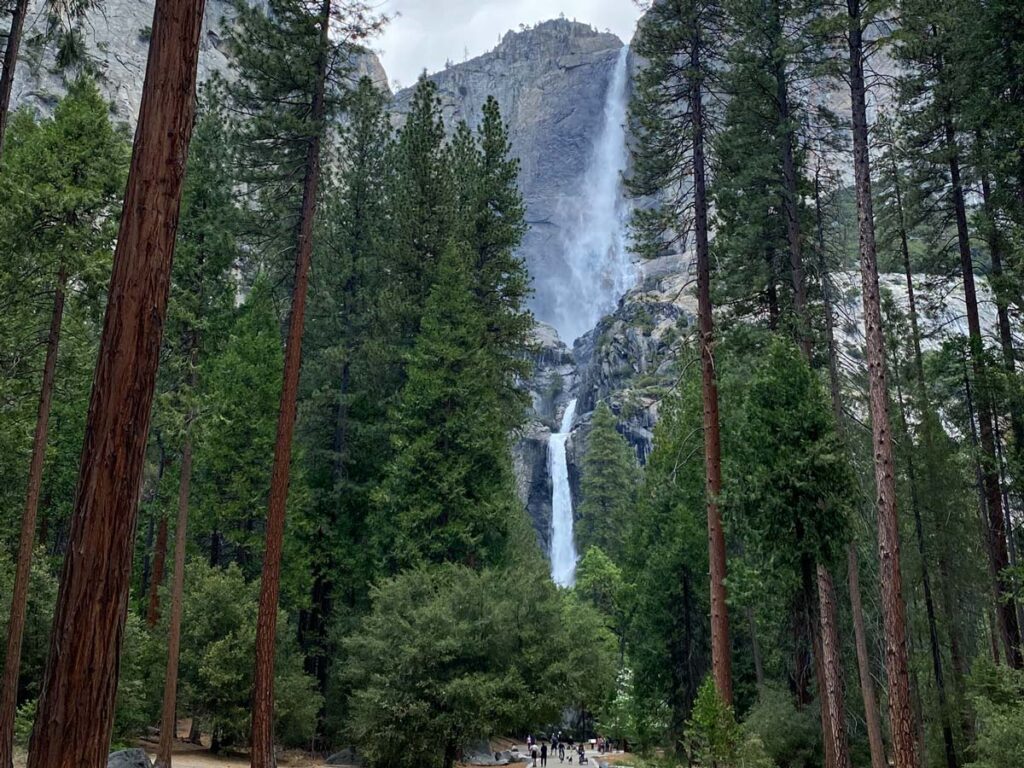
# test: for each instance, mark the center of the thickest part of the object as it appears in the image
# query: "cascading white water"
(600, 270)
(563, 542)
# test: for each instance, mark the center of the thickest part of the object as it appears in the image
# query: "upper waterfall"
(599, 267)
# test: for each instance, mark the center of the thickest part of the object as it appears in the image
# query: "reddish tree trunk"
(270, 583)
(10, 61)
(901, 717)
(1006, 609)
(76, 708)
(168, 721)
(721, 662)
(157, 578)
(26, 541)
(867, 682)
(832, 668)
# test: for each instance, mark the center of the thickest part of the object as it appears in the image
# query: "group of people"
(565, 749)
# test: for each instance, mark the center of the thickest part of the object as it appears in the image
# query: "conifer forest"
(651, 399)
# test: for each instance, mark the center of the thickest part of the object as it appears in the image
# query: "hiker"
(583, 755)
(544, 754)
(533, 753)
(561, 752)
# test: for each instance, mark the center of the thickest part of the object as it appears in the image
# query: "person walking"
(533, 753)
(543, 754)
(561, 752)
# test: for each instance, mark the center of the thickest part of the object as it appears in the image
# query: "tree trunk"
(1006, 609)
(169, 720)
(832, 667)
(867, 684)
(270, 583)
(26, 540)
(986, 533)
(10, 61)
(721, 663)
(901, 716)
(929, 602)
(157, 579)
(76, 708)
(755, 648)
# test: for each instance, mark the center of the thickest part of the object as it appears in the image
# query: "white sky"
(428, 32)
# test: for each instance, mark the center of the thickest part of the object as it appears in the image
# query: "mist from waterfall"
(599, 267)
(563, 540)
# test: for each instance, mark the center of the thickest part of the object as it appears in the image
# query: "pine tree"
(857, 19)
(491, 209)
(448, 495)
(680, 40)
(290, 114)
(75, 712)
(62, 186)
(607, 486)
(202, 299)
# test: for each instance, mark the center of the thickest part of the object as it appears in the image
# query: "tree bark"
(832, 669)
(929, 601)
(26, 540)
(867, 684)
(901, 716)
(270, 584)
(721, 662)
(10, 62)
(76, 707)
(1006, 609)
(169, 720)
(157, 579)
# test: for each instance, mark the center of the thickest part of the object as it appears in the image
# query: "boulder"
(129, 758)
(346, 756)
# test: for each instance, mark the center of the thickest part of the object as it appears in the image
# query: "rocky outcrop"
(129, 758)
(550, 387)
(550, 82)
(113, 43)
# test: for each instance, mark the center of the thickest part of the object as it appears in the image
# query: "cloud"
(427, 33)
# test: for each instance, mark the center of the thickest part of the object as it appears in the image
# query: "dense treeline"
(311, 536)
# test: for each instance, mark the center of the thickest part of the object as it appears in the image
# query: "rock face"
(550, 82)
(129, 758)
(115, 44)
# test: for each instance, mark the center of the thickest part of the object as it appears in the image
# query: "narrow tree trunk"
(266, 627)
(26, 540)
(169, 720)
(929, 602)
(790, 202)
(721, 663)
(755, 648)
(867, 682)
(157, 579)
(10, 61)
(76, 707)
(832, 668)
(893, 608)
(1006, 609)
(983, 516)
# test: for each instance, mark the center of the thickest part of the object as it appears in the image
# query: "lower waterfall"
(563, 542)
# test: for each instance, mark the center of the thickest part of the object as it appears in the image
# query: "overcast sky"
(428, 32)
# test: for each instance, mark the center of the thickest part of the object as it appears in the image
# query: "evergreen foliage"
(607, 487)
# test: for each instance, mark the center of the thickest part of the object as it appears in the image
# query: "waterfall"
(563, 544)
(599, 269)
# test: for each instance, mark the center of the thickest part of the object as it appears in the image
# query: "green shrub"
(716, 740)
(997, 696)
(791, 737)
